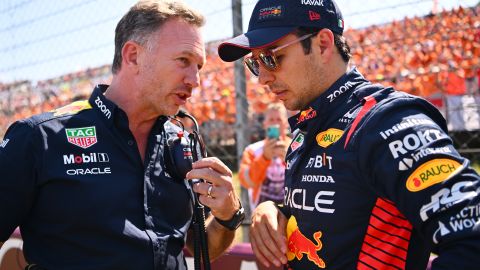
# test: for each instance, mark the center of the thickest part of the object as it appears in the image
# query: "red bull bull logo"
(307, 115)
(299, 245)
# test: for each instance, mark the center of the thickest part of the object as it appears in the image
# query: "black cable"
(200, 242)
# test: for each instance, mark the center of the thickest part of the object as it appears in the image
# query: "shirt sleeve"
(17, 181)
(416, 166)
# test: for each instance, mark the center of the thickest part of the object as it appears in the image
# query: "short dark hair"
(339, 40)
(146, 17)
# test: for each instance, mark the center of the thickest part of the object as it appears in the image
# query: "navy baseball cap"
(272, 20)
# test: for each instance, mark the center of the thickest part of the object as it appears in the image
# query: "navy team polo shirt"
(73, 180)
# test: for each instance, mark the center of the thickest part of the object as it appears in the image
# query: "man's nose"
(193, 77)
(265, 76)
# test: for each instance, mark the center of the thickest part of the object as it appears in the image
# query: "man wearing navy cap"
(372, 179)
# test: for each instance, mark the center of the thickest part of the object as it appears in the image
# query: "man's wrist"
(235, 221)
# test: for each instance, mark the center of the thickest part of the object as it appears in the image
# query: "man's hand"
(222, 199)
(268, 234)
(275, 148)
(281, 147)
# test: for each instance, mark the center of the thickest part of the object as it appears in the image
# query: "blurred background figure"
(262, 168)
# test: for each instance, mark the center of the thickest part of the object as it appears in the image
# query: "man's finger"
(213, 163)
(262, 246)
(267, 243)
(258, 252)
(278, 237)
(211, 176)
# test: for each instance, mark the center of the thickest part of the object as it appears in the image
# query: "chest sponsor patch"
(300, 245)
(297, 142)
(329, 136)
(307, 114)
(431, 173)
(86, 158)
(82, 137)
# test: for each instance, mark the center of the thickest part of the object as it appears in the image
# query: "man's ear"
(324, 42)
(130, 55)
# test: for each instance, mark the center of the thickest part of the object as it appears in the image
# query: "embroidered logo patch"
(307, 115)
(431, 173)
(300, 246)
(270, 12)
(329, 136)
(83, 137)
(297, 142)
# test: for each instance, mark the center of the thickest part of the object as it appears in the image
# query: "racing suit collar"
(326, 103)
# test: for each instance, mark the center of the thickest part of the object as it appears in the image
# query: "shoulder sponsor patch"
(431, 173)
(329, 136)
(83, 137)
(72, 108)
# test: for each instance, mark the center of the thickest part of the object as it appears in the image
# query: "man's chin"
(291, 106)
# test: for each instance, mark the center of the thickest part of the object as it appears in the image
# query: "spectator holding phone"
(262, 169)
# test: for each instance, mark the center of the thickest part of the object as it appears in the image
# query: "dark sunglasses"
(267, 58)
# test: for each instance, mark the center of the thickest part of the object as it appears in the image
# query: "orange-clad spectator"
(262, 169)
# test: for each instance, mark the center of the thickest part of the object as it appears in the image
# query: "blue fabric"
(91, 203)
(369, 204)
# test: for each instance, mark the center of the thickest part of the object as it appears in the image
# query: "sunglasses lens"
(269, 61)
(252, 65)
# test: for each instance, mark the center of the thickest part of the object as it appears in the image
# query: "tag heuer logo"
(83, 137)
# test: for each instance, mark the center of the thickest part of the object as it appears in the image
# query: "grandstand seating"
(435, 56)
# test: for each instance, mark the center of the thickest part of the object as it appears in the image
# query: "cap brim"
(240, 46)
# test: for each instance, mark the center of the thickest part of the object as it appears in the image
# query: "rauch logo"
(431, 173)
(329, 136)
(83, 137)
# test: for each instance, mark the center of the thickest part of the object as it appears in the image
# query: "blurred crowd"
(22, 99)
(432, 56)
(425, 56)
